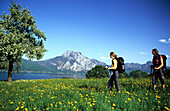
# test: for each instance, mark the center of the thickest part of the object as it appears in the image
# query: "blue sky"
(130, 28)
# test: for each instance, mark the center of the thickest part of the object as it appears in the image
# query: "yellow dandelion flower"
(108, 101)
(75, 102)
(125, 101)
(90, 105)
(22, 107)
(74, 107)
(2, 106)
(17, 108)
(11, 102)
(93, 104)
(113, 108)
(47, 108)
(139, 100)
(34, 109)
(114, 104)
(26, 109)
(167, 108)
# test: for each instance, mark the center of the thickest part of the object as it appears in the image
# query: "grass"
(82, 95)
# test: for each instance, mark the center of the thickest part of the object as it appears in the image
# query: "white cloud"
(167, 56)
(104, 58)
(164, 40)
(143, 53)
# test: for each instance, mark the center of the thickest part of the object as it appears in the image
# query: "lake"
(28, 76)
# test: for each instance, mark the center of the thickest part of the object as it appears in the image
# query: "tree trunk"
(11, 64)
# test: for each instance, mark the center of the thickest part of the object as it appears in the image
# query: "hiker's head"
(113, 55)
(155, 52)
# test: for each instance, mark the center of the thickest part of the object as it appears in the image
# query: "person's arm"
(161, 64)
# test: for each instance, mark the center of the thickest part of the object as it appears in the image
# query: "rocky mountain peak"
(72, 54)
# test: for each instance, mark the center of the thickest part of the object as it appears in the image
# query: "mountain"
(68, 62)
(73, 63)
(136, 66)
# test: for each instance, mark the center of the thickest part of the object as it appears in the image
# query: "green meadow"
(82, 95)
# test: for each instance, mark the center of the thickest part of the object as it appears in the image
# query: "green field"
(82, 95)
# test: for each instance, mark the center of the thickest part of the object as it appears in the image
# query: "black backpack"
(120, 65)
(164, 61)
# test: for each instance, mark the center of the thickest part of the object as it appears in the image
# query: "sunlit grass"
(82, 95)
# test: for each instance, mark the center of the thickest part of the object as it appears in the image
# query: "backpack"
(164, 61)
(120, 65)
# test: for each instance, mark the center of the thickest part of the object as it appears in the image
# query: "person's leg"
(161, 78)
(110, 82)
(117, 81)
(154, 81)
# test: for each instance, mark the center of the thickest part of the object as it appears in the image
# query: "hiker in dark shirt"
(157, 66)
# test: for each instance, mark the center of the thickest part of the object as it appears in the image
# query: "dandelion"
(22, 107)
(74, 107)
(90, 105)
(129, 99)
(139, 100)
(47, 108)
(114, 104)
(17, 108)
(113, 108)
(26, 109)
(159, 102)
(167, 108)
(2, 106)
(52, 97)
(125, 101)
(11, 102)
(108, 101)
(93, 104)
(75, 102)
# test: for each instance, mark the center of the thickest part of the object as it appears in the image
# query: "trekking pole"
(102, 72)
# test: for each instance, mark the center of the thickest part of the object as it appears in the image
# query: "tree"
(18, 36)
(96, 71)
(123, 75)
(138, 73)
